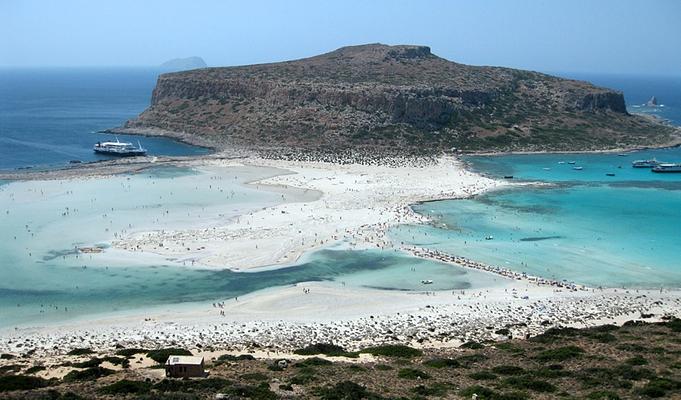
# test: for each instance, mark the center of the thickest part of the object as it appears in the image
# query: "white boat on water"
(667, 167)
(118, 148)
(645, 163)
(426, 281)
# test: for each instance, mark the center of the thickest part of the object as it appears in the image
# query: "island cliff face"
(393, 99)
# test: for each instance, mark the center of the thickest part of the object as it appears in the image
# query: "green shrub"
(79, 352)
(560, 353)
(130, 352)
(313, 362)
(550, 372)
(674, 324)
(12, 368)
(467, 361)
(5, 356)
(304, 376)
(600, 377)
(531, 384)
(174, 385)
(383, 367)
(442, 363)
(21, 382)
(93, 362)
(125, 386)
(240, 357)
(89, 374)
(484, 393)
(274, 367)
(260, 392)
(659, 387)
(634, 347)
(70, 396)
(161, 355)
(34, 369)
(346, 390)
(482, 376)
(412, 373)
(393, 350)
(633, 374)
(472, 345)
(438, 389)
(636, 360)
(508, 370)
(255, 376)
(603, 395)
(604, 337)
(510, 347)
(168, 396)
(328, 349)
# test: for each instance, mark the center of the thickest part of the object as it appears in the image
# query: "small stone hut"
(185, 367)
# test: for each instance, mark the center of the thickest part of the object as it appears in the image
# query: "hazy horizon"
(607, 37)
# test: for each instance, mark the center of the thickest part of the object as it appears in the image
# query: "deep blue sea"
(49, 117)
(638, 89)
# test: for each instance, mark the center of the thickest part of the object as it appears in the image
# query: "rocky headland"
(390, 99)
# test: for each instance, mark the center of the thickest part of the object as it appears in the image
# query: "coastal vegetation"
(640, 362)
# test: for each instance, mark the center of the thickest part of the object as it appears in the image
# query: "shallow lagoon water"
(44, 280)
(587, 228)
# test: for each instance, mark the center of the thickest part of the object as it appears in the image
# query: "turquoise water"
(548, 167)
(98, 290)
(43, 280)
(588, 227)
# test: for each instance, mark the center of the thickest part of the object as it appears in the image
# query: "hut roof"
(184, 360)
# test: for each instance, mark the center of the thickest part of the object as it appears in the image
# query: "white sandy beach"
(357, 205)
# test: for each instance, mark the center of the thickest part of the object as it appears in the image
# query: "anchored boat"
(645, 163)
(121, 149)
(667, 167)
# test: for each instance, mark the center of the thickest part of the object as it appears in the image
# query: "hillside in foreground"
(381, 98)
(638, 360)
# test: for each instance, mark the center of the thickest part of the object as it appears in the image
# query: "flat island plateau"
(387, 99)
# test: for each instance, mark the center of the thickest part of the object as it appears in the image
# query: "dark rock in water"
(652, 102)
(183, 64)
(75, 162)
(385, 99)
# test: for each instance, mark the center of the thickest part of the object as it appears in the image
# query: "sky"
(591, 36)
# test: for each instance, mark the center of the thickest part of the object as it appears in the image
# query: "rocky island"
(183, 64)
(381, 98)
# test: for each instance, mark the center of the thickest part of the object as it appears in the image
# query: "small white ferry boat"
(667, 167)
(645, 163)
(121, 149)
